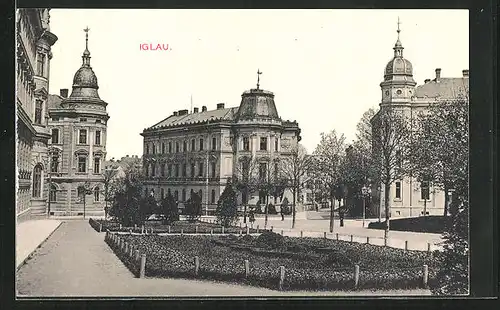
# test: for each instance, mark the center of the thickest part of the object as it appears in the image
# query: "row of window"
(183, 194)
(179, 170)
(82, 164)
(169, 147)
(424, 190)
(82, 137)
(53, 194)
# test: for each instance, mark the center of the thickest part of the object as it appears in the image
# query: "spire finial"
(87, 29)
(86, 53)
(398, 27)
(258, 77)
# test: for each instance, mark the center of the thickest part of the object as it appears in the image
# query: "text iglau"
(153, 47)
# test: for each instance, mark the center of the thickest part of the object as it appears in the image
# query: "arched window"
(96, 193)
(191, 193)
(176, 195)
(37, 181)
(53, 193)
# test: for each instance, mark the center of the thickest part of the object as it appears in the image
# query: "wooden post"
(142, 270)
(367, 240)
(130, 232)
(168, 228)
(131, 253)
(428, 247)
(137, 255)
(282, 277)
(196, 265)
(282, 232)
(272, 228)
(425, 276)
(211, 231)
(248, 230)
(241, 231)
(247, 268)
(240, 224)
(222, 229)
(356, 276)
(182, 231)
(135, 226)
(257, 228)
(142, 230)
(100, 227)
(337, 235)
(352, 238)
(196, 229)
(120, 226)
(151, 230)
(406, 245)
(126, 247)
(324, 235)
(301, 234)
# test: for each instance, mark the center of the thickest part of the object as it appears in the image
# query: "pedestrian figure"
(341, 216)
(251, 217)
(282, 214)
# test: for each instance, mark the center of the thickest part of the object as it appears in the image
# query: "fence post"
(248, 230)
(425, 276)
(100, 227)
(142, 270)
(352, 238)
(257, 228)
(240, 224)
(337, 236)
(406, 245)
(356, 276)
(222, 229)
(301, 234)
(282, 277)
(196, 229)
(131, 254)
(247, 268)
(137, 255)
(130, 232)
(282, 232)
(211, 231)
(241, 232)
(196, 265)
(428, 247)
(126, 248)
(120, 226)
(135, 226)
(367, 240)
(272, 228)
(324, 234)
(182, 231)
(142, 230)
(151, 230)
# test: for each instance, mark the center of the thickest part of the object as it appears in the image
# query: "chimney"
(195, 110)
(127, 156)
(203, 109)
(183, 112)
(438, 74)
(465, 73)
(175, 113)
(63, 92)
(427, 81)
(220, 106)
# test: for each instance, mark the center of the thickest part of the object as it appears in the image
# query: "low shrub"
(427, 224)
(270, 239)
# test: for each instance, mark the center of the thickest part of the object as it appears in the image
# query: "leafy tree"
(285, 206)
(295, 169)
(227, 207)
(128, 197)
(109, 190)
(326, 168)
(193, 208)
(391, 137)
(169, 209)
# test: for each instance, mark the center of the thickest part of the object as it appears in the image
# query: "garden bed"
(310, 263)
(174, 228)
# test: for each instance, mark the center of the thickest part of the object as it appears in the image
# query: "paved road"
(75, 261)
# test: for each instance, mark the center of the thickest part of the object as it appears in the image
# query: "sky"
(324, 66)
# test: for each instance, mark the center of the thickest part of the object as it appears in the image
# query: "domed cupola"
(257, 104)
(85, 80)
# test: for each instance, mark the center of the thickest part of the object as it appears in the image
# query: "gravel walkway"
(75, 261)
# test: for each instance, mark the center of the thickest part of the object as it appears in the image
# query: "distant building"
(78, 125)
(33, 50)
(409, 197)
(199, 151)
(123, 164)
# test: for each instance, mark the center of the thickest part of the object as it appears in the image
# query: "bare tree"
(244, 180)
(109, 175)
(391, 137)
(328, 155)
(295, 170)
(364, 131)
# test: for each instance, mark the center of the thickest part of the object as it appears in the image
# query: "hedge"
(309, 268)
(434, 224)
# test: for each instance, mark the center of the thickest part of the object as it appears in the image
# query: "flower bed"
(175, 228)
(308, 267)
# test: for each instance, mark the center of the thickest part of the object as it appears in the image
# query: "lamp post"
(366, 191)
(52, 168)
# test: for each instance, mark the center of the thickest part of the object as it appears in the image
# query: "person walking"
(282, 214)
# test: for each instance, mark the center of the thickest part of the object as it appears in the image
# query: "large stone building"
(199, 151)
(78, 125)
(408, 196)
(33, 51)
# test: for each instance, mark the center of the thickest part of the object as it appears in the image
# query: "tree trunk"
(331, 213)
(245, 213)
(293, 206)
(446, 199)
(387, 187)
(266, 209)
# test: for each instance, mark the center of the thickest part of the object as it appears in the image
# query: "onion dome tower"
(398, 85)
(257, 105)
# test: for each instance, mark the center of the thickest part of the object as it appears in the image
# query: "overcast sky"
(324, 66)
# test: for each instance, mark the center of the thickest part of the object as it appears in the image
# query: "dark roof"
(54, 101)
(446, 88)
(226, 114)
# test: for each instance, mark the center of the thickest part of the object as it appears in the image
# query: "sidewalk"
(31, 234)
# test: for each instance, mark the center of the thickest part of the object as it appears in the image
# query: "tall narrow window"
(276, 144)
(54, 164)
(262, 171)
(97, 165)
(177, 170)
(38, 111)
(201, 144)
(184, 146)
(162, 170)
(263, 144)
(96, 193)
(83, 136)
(213, 196)
(214, 143)
(398, 190)
(37, 181)
(213, 170)
(40, 64)
(170, 147)
(163, 147)
(193, 145)
(153, 170)
(153, 148)
(147, 148)
(184, 170)
(191, 194)
(162, 191)
(200, 169)
(177, 147)
(424, 190)
(169, 192)
(176, 195)
(276, 171)
(97, 137)
(183, 194)
(246, 143)
(82, 164)
(53, 193)
(55, 136)
(192, 170)
(169, 170)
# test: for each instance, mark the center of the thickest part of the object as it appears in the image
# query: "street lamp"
(365, 190)
(53, 163)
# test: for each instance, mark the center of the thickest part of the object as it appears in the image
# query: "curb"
(33, 252)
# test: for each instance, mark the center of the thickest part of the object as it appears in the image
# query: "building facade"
(78, 132)
(408, 196)
(197, 152)
(33, 50)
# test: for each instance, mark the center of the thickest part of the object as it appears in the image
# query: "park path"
(75, 261)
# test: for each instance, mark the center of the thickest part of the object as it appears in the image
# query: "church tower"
(398, 86)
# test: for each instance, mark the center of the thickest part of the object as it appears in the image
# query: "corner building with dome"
(410, 197)
(77, 151)
(197, 152)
